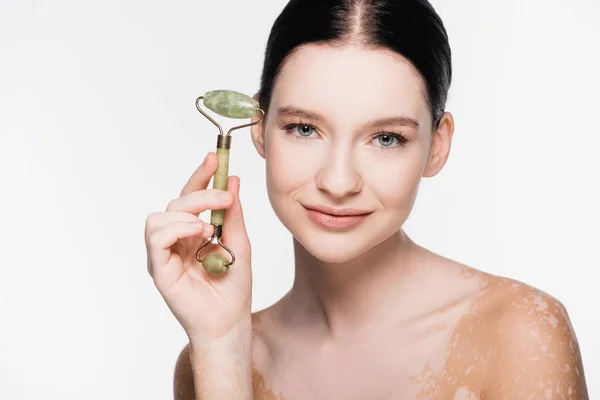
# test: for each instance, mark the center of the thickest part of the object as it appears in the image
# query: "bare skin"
(478, 336)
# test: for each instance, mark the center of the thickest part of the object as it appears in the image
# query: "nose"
(339, 176)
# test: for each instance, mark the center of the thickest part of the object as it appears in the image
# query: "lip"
(339, 212)
(343, 219)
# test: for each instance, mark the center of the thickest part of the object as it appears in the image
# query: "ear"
(258, 133)
(440, 146)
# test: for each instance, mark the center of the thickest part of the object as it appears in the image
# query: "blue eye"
(303, 130)
(390, 140)
(386, 140)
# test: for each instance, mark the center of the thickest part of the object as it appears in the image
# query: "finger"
(158, 220)
(200, 179)
(234, 227)
(200, 201)
(159, 242)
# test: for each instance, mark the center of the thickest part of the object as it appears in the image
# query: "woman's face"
(346, 128)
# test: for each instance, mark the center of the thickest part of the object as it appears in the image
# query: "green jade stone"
(215, 263)
(232, 104)
(220, 182)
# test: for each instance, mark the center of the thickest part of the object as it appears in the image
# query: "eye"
(301, 131)
(390, 140)
(305, 130)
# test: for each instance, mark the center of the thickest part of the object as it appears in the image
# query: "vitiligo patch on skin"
(463, 393)
(534, 332)
(515, 334)
(473, 330)
(467, 354)
(261, 392)
(259, 387)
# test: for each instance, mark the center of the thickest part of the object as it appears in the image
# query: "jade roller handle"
(221, 176)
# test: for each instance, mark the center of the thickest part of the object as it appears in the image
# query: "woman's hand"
(207, 306)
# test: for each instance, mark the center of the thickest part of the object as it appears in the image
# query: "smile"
(336, 219)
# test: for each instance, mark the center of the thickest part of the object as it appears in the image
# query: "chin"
(339, 247)
(332, 248)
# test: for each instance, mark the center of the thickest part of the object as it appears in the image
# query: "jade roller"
(231, 104)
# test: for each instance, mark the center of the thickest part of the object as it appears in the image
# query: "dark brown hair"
(410, 28)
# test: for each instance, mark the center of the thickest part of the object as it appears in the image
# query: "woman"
(354, 93)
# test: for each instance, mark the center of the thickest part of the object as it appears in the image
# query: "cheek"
(395, 180)
(288, 164)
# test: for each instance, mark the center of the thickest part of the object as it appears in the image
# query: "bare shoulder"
(536, 353)
(183, 380)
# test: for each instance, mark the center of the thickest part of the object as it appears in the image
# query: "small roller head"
(215, 263)
(231, 104)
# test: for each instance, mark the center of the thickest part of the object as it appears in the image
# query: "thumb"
(234, 227)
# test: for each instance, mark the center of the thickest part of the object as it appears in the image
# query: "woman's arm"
(221, 370)
(537, 355)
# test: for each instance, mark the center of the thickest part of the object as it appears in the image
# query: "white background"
(98, 129)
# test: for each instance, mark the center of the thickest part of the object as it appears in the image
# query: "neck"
(346, 299)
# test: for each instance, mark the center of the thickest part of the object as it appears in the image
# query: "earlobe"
(440, 146)
(257, 132)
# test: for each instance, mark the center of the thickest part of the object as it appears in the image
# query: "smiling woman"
(354, 93)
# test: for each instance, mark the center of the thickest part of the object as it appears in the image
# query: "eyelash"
(399, 137)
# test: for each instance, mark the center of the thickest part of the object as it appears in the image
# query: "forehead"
(350, 82)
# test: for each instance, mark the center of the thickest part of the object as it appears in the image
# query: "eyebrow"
(298, 112)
